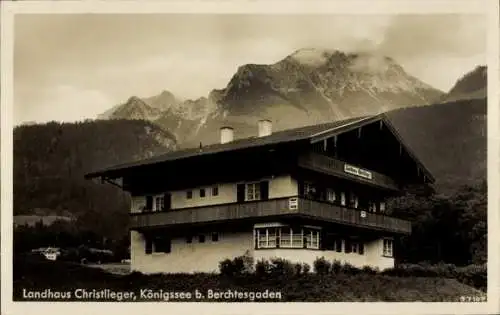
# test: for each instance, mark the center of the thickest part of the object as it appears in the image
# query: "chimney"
(265, 127)
(226, 134)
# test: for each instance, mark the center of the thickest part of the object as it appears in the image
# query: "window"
(312, 238)
(297, 238)
(354, 247)
(159, 204)
(215, 237)
(266, 238)
(162, 244)
(215, 191)
(201, 238)
(357, 247)
(353, 200)
(309, 190)
(286, 237)
(361, 248)
(382, 206)
(149, 204)
(202, 192)
(388, 247)
(189, 194)
(291, 238)
(330, 195)
(337, 245)
(342, 198)
(253, 191)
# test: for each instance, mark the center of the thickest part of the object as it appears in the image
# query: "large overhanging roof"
(313, 133)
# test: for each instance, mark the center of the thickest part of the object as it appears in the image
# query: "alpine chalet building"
(298, 194)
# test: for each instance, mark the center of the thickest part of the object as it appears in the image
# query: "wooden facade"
(292, 207)
(366, 159)
(335, 167)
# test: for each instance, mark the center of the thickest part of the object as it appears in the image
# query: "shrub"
(473, 275)
(298, 268)
(248, 263)
(446, 270)
(336, 266)
(350, 269)
(226, 267)
(262, 268)
(322, 266)
(369, 270)
(306, 268)
(238, 265)
(281, 267)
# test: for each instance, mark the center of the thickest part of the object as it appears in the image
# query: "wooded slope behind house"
(51, 159)
(449, 138)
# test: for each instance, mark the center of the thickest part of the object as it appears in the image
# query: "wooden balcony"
(284, 207)
(325, 164)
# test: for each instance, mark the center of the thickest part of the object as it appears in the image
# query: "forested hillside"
(448, 228)
(51, 159)
(449, 138)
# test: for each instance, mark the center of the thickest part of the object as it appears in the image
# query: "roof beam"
(320, 136)
(110, 181)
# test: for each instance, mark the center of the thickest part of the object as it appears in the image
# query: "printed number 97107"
(473, 298)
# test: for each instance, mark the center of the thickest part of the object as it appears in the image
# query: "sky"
(70, 67)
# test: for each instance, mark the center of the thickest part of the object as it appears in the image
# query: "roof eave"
(412, 154)
(116, 172)
(367, 120)
(320, 136)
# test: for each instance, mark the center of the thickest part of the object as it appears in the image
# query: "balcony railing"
(350, 216)
(284, 207)
(331, 166)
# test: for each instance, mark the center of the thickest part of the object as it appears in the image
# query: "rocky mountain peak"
(312, 56)
(311, 85)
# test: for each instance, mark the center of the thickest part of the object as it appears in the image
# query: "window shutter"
(167, 201)
(240, 191)
(348, 246)
(149, 202)
(338, 245)
(149, 245)
(301, 188)
(264, 190)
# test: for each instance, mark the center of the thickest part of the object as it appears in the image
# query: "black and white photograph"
(260, 154)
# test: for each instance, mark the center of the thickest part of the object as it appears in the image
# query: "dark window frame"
(148, 245)
(215, 191)
(215, 236)
(162, 245)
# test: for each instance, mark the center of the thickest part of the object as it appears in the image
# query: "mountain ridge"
(472, 85)
(307, 86)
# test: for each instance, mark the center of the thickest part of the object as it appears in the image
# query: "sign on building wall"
(357, 171)
(293, 203)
